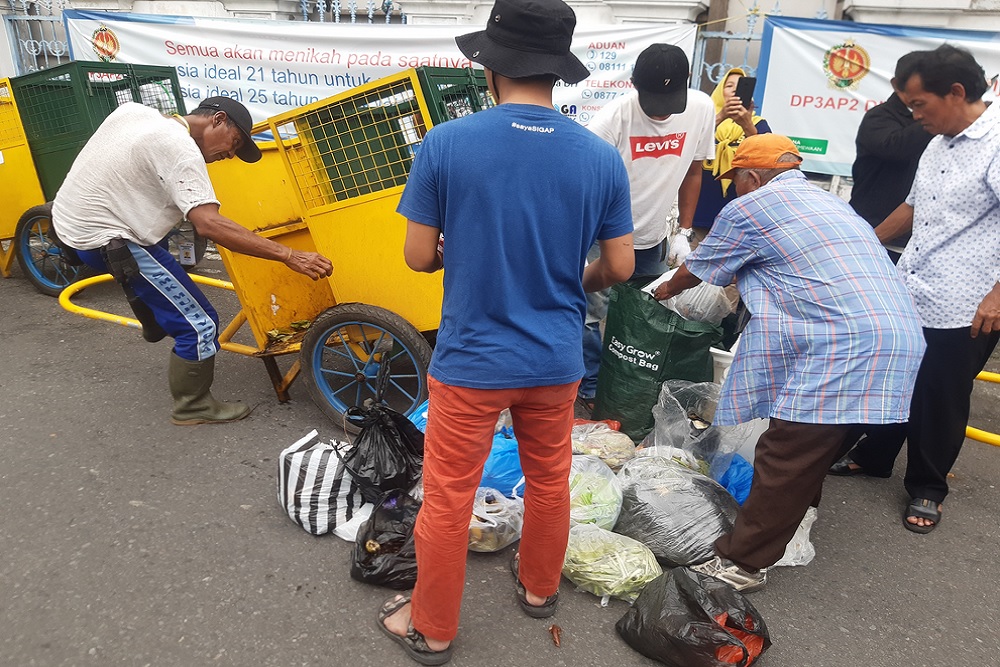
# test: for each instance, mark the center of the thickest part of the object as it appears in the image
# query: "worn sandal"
(922, 508)
(413, 642)
(543, 610)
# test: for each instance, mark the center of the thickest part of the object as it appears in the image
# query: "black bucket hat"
(526, 38)
(237, 113)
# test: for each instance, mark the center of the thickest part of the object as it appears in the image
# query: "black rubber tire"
(40, 260)
(335, 380)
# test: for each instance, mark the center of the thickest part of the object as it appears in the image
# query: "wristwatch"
(685, 232)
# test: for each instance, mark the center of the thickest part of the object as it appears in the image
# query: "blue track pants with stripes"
(177, 303)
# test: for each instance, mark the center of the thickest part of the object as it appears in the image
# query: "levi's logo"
(670, 144)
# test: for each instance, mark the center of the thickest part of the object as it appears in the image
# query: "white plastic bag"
(702, 303)
(799, 550)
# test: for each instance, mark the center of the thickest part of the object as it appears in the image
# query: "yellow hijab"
(728, 134)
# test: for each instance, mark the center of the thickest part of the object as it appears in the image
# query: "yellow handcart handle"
(65, 300)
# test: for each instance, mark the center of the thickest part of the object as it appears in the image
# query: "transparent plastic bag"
(702, 303)
(608, 564)
(683, 417)
(600, 440)
(496, 521)
(595, 494)
(799, 550)
(674, 511)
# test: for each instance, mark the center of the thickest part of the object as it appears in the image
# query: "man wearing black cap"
(520, 193)
(137, 176)
(663, 131)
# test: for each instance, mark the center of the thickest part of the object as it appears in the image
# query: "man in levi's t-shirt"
(663, 131)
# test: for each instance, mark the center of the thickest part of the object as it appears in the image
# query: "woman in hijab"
(733, 122)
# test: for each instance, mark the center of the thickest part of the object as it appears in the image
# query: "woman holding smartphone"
(734, 120)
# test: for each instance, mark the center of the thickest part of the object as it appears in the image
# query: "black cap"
(660, 76)
(237, 113)
(526, 38)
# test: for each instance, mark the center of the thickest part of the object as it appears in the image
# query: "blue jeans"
(649, 263)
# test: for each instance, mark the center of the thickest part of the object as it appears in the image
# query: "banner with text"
(274, 66)
(817, 78)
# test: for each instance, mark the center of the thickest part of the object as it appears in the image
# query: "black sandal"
(922, 508)
(543, 610)
(414, 642)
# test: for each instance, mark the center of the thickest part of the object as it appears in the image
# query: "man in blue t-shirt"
(520, 193)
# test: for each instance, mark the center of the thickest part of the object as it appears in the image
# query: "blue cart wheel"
(353, 349)
(40, 259)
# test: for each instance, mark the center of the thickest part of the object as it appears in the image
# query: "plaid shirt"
(835, 337)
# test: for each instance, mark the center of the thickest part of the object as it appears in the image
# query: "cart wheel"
(184, 232)
(40, 259)
(351, 347)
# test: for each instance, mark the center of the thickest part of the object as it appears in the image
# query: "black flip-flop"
(922, 508)
(414, 643)
(544, 610)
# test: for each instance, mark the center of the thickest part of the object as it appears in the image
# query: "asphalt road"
(125, 540)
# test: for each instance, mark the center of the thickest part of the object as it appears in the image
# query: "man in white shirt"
(950, 267)
(138, 175)
(663, 131)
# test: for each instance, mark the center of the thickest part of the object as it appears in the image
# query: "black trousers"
(789, 467)
(939, 413)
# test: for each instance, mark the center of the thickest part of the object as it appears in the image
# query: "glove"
(680, 248)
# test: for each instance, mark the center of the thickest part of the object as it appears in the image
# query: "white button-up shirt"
(953, 258)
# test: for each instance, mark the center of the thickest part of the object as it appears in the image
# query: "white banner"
(274, 66)
(817, 78)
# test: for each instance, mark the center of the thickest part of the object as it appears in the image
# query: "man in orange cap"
(834, 341)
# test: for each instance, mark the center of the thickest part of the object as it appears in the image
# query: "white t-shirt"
(137, 177)
(657, 154)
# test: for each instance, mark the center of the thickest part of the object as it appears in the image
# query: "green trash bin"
(644, 345)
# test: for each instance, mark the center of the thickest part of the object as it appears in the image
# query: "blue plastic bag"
(503, 467)
(738, 478)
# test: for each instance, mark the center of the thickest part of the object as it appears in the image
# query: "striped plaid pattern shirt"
(835, 337)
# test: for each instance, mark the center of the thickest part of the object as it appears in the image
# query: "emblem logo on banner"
(845, 65)
(670, 144)
(106, 44)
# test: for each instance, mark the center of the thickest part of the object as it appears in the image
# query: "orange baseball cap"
(761, 151)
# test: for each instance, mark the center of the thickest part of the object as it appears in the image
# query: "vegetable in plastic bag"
(600, 440)
(595, 494)
(384, 553)
(388, 454)
(496, 521)
(687, 619)
(608, 564)
(674, 511)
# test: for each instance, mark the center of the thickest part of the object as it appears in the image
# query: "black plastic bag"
(674, 511)
(388, 454)
(384, 553)
(687, 619)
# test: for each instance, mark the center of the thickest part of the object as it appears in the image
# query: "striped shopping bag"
(315, 488)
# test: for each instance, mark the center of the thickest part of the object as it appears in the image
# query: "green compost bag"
(644, 345)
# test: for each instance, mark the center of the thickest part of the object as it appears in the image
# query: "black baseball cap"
(237, 113)
(660, 76)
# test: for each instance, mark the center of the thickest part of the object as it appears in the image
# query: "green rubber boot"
(190, 382)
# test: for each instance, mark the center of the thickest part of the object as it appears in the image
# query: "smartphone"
(744, 90)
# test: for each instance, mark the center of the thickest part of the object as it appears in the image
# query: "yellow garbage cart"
(329, 181)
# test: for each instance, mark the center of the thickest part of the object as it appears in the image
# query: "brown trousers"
(790, 464)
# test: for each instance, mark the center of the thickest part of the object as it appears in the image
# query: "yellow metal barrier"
(975, 433)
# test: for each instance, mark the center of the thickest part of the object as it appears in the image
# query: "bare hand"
(740, 115)
(311, 264)
(665, 291)
(987, 319)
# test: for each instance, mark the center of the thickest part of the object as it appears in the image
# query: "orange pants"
(458, 440)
